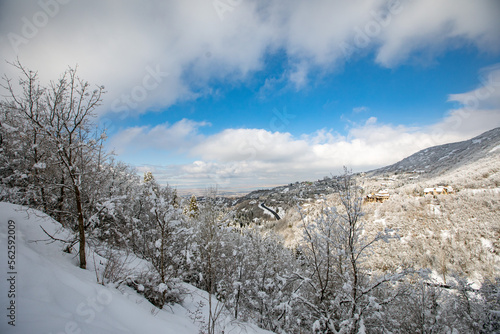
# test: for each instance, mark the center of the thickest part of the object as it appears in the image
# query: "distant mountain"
(436, 160)
(428, 163)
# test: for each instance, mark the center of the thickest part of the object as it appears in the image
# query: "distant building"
(379, 197)
(438, 191)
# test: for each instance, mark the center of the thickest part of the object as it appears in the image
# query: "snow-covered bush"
(159, 294)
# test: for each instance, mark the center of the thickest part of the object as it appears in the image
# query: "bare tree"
(61, 116)
(212, 218)
(338, 289)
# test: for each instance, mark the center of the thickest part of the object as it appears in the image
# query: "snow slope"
(53, 295)
(437, 160)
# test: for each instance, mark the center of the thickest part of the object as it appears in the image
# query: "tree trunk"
(81, 227)
(60, 205)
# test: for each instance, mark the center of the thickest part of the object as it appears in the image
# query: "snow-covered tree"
(245, 272)
(212, 223)
(192, 210)
(338, 289)
(163, 230)
(264, 288)
(60, 117)
(115, 200)
(24, 153)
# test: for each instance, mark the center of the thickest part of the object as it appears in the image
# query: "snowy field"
(53, 295)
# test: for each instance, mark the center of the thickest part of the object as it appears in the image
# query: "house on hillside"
(438, 190)
(379, 197)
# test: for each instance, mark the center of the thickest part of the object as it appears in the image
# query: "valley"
(450, 233)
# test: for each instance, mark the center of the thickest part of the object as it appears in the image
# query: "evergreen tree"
(193, 207)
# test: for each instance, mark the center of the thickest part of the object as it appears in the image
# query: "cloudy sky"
(252, 93)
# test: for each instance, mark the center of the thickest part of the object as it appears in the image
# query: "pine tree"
(193, 209)
(148, 177)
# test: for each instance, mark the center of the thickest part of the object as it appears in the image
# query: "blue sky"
(245, 94)
(408, 94)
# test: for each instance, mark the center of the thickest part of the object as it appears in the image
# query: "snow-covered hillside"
(449, 234)
(436, 160)
(53, 295)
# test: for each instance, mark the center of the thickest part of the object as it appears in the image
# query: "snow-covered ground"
(53, 295)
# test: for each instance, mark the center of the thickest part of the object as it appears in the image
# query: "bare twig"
(72, 242)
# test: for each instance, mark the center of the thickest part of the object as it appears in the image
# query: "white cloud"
(487, 96)
(179, 136)
(115, 43)
(152, 54)
(358, 110)
(246, 158)
(432, 26)
(298, 76)
(479, 109)
(252, 157)
(250, 144)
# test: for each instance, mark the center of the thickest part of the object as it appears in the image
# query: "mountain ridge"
(429, 162)
(439, 159)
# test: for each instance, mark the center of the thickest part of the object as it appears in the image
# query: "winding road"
(270, 210)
